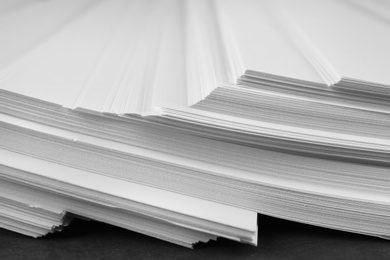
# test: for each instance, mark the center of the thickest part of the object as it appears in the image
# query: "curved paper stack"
(184, 119)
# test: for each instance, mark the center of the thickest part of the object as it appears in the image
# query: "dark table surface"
(278, 239)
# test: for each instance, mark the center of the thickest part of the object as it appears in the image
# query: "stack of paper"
(184, 119)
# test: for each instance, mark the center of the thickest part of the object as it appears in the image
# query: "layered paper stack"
(184, 119)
